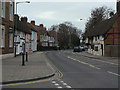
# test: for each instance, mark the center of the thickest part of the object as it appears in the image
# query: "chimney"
(24, 19)
(16, 17)
(41, 25)
(33, 22)
(118, 6)
(45, 29)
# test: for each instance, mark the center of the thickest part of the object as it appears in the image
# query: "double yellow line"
(60, 75)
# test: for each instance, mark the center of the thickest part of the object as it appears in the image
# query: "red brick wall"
(7, 23)
(114, 34)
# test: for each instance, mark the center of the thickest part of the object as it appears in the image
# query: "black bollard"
(23, 62)
(26, 57)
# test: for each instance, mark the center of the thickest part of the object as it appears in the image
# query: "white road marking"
(97, 68)
(53, 82)
(64, 83)
(113, 73)
(59, 87)
(56, 84)
(61, 81)
(68, 86)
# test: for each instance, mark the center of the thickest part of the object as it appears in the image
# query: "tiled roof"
(102, 27)
(22, 27)
(32, 27)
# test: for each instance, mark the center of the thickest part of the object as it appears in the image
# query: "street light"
(21, 2)
(16, 22)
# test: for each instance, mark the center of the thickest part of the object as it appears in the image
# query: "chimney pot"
(16, 17)
(33, 22)
(24, 19)
(118, 6)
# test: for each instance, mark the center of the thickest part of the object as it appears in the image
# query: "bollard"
(23, 62)
(26, 57)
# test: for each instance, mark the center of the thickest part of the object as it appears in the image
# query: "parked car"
(77, 49)
(85, 47)
(82, 48)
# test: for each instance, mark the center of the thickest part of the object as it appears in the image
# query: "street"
(77, 71)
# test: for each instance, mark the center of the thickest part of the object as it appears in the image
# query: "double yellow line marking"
(60, 75)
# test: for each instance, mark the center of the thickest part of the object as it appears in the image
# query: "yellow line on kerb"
(60, 75)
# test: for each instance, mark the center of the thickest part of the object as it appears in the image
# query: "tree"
(98, 15)
(68, 35)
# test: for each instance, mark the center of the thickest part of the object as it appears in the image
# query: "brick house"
(103, 39)
(7, 28)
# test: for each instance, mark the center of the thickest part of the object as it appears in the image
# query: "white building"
(21, 30)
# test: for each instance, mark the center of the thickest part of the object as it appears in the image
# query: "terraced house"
(22, 32)
(6, 28)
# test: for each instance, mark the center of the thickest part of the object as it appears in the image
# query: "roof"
(52, 33)
(22, 27)
(102, 27)
(32, 27)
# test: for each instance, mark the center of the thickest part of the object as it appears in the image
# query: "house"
(28, 36)
(34, 32)
(21, 32)
(44, 38)
(53, 38)
(6, 28)
(103, 39)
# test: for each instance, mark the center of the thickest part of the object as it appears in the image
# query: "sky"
(54, 13)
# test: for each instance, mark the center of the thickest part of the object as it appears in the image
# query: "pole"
(26, 57)
(23, 62)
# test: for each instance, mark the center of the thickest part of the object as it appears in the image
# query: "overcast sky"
(52, 13)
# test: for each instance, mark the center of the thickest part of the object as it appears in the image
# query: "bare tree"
(97, 15)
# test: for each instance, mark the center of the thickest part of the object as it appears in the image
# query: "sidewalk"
(37, 67)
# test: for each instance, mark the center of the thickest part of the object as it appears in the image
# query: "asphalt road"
(79, 72)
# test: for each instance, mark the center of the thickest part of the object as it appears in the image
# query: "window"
(11, 10)
(10, 37)
(98, 37)
(95, 38)
(96, 48)
(3, 9)
(2, 36)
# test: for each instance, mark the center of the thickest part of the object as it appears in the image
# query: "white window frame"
(11, 10)
(2, 36)
(3, 9)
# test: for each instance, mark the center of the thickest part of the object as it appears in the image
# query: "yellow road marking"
(81, 61)
(102, 61)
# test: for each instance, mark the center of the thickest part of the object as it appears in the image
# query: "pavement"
(36, 68)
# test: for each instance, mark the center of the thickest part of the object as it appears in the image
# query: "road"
(76, 71)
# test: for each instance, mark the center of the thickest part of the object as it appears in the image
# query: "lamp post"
(19, 3)
(16, 22)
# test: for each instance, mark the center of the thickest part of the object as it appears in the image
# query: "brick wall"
(113, 37)
(7, 23)
(111, 50)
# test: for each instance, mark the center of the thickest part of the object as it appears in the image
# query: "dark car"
(77, 49)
